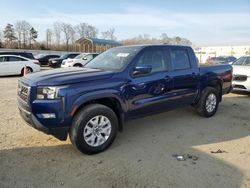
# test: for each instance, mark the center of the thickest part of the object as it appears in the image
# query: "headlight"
(47, 93)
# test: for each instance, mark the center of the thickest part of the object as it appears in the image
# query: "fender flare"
(84, 98)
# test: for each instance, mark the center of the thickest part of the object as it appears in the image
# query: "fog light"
(46, 116)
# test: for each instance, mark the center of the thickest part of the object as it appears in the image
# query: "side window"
(88, 57)
(247, 62)
(2, 59)
(15, 59)
(71, 56)
(180, 59)
(155, 58)
(240, 61)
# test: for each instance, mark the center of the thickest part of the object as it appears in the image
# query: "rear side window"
(180, 59)
(2, 59)
(154, 58)
(73, 55)
(16, 59)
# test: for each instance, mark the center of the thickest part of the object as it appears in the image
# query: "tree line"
(63, 36)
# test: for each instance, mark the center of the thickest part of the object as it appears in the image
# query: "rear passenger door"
(185, 74)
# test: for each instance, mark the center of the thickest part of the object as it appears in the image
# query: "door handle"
(139, 86)
(194, 75)
(167, 78)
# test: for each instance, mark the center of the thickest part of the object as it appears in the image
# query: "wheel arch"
(22, 70)
(110, 100)
(217, 84)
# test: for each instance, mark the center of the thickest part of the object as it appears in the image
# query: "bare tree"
(81, 29)
(91, 31)
(73, 35)
(1, 38)
(67, 30)
(18, 29)
(25, 30)
(86, 30)
(109, 34)
(57, 31)
(49, 34)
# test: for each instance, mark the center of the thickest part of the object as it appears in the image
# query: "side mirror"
(84, 58)
(143, 69)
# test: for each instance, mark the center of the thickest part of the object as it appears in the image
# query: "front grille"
(239, 86)
(23, 92)
(240, 77)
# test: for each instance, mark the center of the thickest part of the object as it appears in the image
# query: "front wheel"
(94, 129)
(208, 103)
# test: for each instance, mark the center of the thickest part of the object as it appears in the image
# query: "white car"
(79, 61)
(241, 72)
(14, 65)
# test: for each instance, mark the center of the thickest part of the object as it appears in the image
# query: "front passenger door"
(147, 93)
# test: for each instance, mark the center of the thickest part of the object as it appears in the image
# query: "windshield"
(39, 56)
(220, 59)
(64, 56)
(114, 59)
(245, 61)
(80, 56)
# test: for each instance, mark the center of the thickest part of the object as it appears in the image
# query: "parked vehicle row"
(56, 62)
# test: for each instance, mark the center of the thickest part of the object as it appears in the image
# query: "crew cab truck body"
(92, 103)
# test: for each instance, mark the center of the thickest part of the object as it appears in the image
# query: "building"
(95, 44)
(203, 53)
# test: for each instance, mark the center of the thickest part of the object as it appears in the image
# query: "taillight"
(36, 62)
(228, 76)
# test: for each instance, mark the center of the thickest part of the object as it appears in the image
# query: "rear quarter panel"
(218, 73)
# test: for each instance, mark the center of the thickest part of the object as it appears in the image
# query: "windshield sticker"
(122, 55)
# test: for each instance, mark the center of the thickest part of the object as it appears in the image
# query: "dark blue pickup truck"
(92, 103)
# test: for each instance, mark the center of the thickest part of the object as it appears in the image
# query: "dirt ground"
(141, 156)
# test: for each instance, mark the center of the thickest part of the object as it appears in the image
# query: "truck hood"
(241, 70)
(64, 76)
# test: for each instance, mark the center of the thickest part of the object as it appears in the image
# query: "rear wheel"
(208, 103)
(94, 128)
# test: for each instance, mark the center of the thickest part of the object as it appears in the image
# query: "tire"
(208, 103)
(82, 131)
(77, 65)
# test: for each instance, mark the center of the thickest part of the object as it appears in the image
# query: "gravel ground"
(141, 156)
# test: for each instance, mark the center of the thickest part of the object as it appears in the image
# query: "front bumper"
(25, 112)
(241, 85)
(65, 65)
